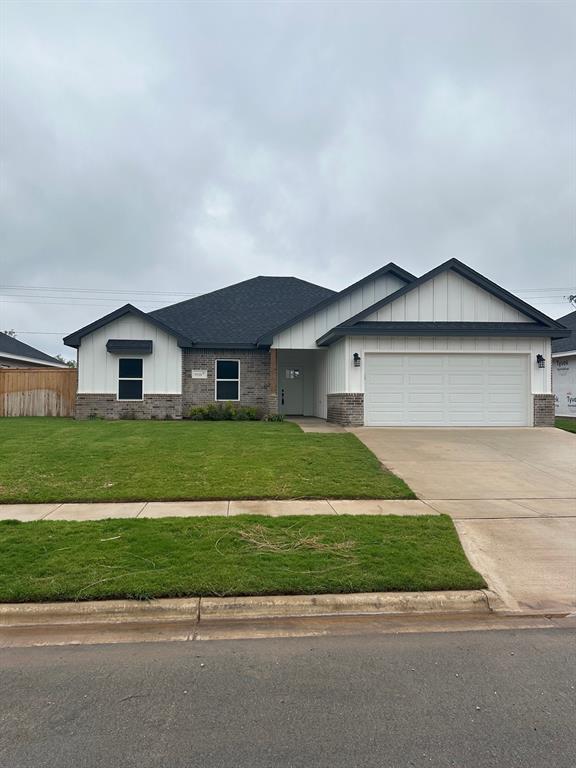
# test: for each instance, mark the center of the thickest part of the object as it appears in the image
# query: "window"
(292, 373)
(130, 378)
(227, 380)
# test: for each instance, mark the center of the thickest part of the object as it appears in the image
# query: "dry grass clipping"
(264, 539)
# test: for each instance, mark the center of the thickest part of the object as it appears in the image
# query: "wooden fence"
(37, 391)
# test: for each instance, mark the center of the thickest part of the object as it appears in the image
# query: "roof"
(14, 348)
(569, 343)
(74, 339)
(430, 328)
(238, 315)
(474, 277)
(387, 269)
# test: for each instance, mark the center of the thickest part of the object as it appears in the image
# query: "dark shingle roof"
(569, 343)
(11, 346)
(241, 313)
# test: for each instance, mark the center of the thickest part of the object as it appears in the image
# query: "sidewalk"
(102, 511)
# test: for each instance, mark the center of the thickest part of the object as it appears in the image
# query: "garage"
(447, 390)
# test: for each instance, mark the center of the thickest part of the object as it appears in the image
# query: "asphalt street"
(468, 699)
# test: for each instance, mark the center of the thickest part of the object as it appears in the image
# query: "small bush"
(224, 412)
(274, 417)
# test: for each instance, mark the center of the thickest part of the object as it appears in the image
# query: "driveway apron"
(512, 495)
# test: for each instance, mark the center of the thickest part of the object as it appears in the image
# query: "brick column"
(544, 410)
(346, 408)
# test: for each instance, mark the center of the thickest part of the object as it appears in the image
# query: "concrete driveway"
(512, 495)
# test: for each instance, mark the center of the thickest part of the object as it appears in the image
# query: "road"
(466, 699)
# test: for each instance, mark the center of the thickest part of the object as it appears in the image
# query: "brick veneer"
(106, 406)
(254, 377)
(544, 410)
(346, 408)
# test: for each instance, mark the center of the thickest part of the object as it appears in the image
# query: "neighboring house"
(449, 348)
(564, 369)
(15, 354)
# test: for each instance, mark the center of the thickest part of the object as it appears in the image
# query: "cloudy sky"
(152, 151)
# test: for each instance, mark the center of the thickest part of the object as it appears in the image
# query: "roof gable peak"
(463, 270)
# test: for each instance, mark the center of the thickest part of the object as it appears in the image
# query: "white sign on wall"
(199, 374)
(564, 384)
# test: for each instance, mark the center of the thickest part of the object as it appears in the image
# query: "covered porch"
(297, 381)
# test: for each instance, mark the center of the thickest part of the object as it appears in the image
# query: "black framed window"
(227, 380)
(130, 378)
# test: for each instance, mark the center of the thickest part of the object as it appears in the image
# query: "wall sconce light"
(541, 360)
(356, 358)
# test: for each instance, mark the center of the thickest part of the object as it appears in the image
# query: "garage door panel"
(465, 398)
(425, 397)
(424, 379)
(447, 389)
(472, 379)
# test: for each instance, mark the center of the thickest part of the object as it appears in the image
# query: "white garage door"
(456, 390)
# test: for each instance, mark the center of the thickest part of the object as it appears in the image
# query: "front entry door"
(292, 391)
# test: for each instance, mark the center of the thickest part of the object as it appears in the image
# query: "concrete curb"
(196, 610)
(99, 612)
(352, 604)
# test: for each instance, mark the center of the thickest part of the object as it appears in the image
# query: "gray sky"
(180, 147)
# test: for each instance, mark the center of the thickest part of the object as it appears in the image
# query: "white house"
(450, 348)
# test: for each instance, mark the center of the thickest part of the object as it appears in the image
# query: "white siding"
(330, 375)
(303, 335)
(98, 369)
(540, 378)
(448, 297)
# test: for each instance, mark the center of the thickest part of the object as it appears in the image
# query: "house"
(15, 354)
(564, 369)
(449, 348)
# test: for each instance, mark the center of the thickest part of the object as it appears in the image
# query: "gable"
(448, 297)
(127, 311)
(98, 363)
(302, 333)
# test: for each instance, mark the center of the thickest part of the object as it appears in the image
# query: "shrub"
(224, 412)
(274, 417)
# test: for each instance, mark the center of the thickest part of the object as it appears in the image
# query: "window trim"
(130, 378)
(216, 379)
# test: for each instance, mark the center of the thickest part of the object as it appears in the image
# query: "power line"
(96, 290)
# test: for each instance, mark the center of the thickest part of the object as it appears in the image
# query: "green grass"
(568, 424)
(44, 460)
(245, 555)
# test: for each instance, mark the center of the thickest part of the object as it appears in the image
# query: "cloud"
(184, 146)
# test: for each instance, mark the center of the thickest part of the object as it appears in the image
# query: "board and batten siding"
(98, 368)
(330, 375)
(303, 334)
(540, 378)
(448, 297)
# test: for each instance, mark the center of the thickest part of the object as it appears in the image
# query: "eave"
(75, 339)
(377, 328)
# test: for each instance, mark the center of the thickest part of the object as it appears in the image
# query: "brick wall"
(106, 406)
(544, 410)
(254, 377)
(346, 408)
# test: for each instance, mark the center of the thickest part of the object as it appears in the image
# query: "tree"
(10, 333)
(69, 363)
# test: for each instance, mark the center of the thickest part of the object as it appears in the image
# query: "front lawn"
(568, 424)
(245, 555)
(59, 460)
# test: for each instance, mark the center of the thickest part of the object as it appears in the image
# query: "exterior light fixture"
(356, 358)
(541, 360)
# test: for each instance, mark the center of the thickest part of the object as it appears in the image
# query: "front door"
(292, 391)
